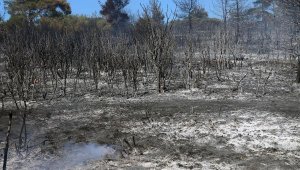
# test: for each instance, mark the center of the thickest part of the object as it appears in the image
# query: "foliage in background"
(32, 11)
(113, 12)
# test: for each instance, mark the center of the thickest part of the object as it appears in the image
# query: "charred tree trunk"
(237, 34)
(124, 73)
(2, 103)
(7, 141)
(95, 77)
(158, 81)
(190, 22)
(23, 131)
(65, 85)
(135, 80)
(298, 72)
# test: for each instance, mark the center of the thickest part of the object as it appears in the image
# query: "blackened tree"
(261, 11)
(187, 7)
(238, 14)
(113, 11)
(158, 42)
(291, 8)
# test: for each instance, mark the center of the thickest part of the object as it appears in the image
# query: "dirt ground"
(163, 132)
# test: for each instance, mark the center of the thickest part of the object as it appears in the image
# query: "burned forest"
(175, 84)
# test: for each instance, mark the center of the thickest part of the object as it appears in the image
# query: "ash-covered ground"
(213, 126)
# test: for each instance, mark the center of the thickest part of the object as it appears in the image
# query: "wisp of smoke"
(78, 154)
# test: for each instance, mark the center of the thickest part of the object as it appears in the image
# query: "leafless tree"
(237, 16)
(189, 54)
(20, 68)
(3, 90)
(159, 46)
(187, 7)
(223, 10)
(291, 9)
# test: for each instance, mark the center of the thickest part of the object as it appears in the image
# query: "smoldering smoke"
(80, 154)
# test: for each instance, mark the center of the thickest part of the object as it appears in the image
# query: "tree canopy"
(152, 16)
(190, 10)
(261, 9)
(75, 23)
(199, 13)
(33, 10)
(113, 11)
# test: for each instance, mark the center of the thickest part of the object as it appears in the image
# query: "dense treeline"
(48, 52)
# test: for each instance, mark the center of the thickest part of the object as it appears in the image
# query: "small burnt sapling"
(7, 141)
